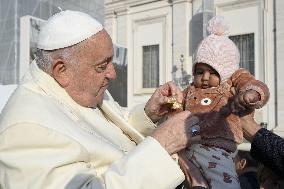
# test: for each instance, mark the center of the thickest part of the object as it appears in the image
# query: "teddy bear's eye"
(206, 101)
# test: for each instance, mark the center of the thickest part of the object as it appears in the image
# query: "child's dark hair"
(250, 162)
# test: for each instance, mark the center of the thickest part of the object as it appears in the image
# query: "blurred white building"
(161, 37)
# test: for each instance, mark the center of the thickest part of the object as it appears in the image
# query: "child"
(218, 83)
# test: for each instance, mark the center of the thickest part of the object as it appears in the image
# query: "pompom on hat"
(67, 28)
(217, 50)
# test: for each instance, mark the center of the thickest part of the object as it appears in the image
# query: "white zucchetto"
(67, 28)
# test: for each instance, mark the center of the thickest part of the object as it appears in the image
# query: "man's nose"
(206, 76)
(110, 72)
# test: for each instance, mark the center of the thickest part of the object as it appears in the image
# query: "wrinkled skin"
(175, 133)
(87, 79)
(157, 106)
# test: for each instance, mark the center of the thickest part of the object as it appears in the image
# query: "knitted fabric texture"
(217, 50)
(268, 148)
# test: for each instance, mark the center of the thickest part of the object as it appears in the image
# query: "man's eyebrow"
(107, 59)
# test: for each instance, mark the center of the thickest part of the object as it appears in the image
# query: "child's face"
(205, 76)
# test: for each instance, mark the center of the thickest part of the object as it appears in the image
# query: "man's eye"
(101, 67)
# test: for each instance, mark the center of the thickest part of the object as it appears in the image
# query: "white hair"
(44, 58)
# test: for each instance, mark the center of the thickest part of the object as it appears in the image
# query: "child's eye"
(199, 72)
(206, 101)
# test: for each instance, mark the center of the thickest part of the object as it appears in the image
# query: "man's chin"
(100, 103)
(100, 98)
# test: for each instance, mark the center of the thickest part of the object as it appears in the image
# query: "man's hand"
(176, 133)
(193, 176)
(245, 101)
(250, 127)
(157, 106)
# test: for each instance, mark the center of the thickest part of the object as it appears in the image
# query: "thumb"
(184, 114)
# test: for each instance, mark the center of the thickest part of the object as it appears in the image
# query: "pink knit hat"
(217, 50)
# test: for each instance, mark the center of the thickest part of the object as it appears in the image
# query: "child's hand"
(245, 100)
(250, 97)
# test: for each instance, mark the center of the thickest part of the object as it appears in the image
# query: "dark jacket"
(268, 148)
(248, 180)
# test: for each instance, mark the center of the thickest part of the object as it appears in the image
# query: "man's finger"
(163, 100)
(184, 114)
(165, 89)
(175, 91)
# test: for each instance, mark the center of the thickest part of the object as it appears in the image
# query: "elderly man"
(61, 128)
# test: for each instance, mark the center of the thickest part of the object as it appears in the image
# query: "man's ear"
(60, 73)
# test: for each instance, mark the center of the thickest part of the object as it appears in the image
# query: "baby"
(219, 83)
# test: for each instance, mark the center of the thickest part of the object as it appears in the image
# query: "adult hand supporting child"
(266, 146)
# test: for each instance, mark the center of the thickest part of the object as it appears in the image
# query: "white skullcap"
(67, 28)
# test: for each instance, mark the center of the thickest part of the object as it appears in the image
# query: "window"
(150, 66)
(150, 60)
(245, 43)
